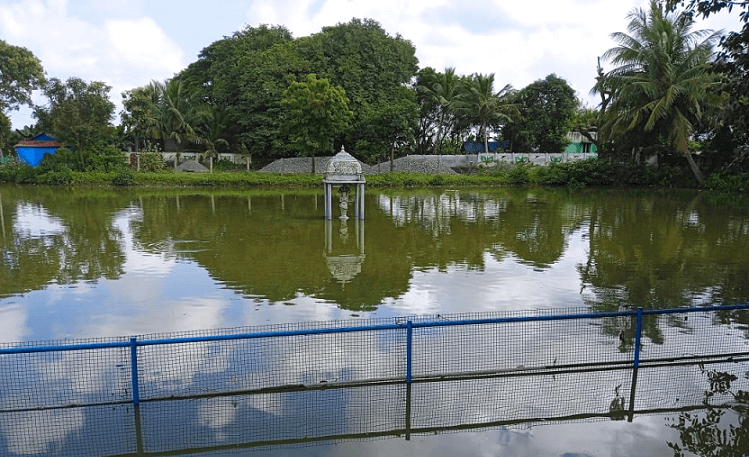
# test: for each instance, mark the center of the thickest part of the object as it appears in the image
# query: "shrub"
(151, 162)
(520, 174)
(9, 170)
(106, 158)
(728, 183)
(227, 165)
(124, 177)
(61, 177)
(556, 174)
(437, 180)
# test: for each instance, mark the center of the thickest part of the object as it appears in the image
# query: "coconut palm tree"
(173, 116)
(483, 107)
(442, 93)
(211, 129)
(661, 81)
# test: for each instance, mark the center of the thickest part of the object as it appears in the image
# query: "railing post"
(134, 369)
(638, 337)
(409, 347)
(635, 365)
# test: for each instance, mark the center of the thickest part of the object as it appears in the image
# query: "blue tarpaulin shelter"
(478, 146)
(32, 151)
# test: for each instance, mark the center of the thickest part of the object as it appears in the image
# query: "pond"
(107, 262)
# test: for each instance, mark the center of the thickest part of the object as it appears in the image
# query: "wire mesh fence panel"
(507, 400)
(273, 418)
(515, 345)
(351, 379)
(69, 432)
(677, 386)
(64, 378)
(237, 365)
(692, 334)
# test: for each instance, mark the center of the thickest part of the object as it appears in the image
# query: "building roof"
(41, 140)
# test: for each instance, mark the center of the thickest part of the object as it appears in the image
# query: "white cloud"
(520, 42)
(140, 45)
(14, 323)
(34, 221)
(123, 53)
(34, 432)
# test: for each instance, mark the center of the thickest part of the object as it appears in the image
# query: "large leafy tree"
(217, 76)
(369, 64)
(268, 73)
(315, 112)
(547, 107)
(394, 123)
(79, 113)
(246, 74)
(662, 82)
(20, 73)
(483, 108)
(243, 77)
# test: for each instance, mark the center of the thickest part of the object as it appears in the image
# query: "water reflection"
(244, 258)
(346, 260)
(57, 238)
(683, 408)
(654, 252)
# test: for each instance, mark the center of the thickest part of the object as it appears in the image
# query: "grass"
(574, 175)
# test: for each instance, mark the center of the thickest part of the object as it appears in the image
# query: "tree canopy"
(315, 112)
(483, 108)
(667, 91)
(20, 73)
(246, 74)
(733, 62)
(546, 107)
(79, 113)
(662, 81)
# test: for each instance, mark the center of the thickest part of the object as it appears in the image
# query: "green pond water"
(96, 263)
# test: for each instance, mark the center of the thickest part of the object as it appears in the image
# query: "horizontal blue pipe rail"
(400, 325)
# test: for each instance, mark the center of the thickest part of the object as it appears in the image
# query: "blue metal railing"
(408, 326)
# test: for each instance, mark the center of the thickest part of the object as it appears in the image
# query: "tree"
(5, 132)
(586, 122)
(138, 114)
(174, 115)
(212, 126)
(483, 107)
(20, 73)
(244, 77)
(369, 64)
(246, 74)
(393, 123)
(441, 92)
(546, 108)
(267, 74)
(733, 63)
(315, 112)
(662, 81)
(78, 113)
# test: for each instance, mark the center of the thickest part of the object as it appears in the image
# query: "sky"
(128, 43)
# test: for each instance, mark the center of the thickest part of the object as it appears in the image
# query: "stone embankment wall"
(431, 164)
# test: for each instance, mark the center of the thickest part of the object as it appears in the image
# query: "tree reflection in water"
(722, 429)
